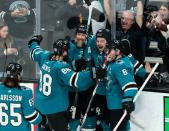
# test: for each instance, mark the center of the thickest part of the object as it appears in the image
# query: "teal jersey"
(55, 79)
(98, 59)
(139, 69)
(75, 53)
(17, 109)
(121, 82)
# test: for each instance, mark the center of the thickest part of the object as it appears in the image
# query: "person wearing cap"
(79, 57)
(18, 14)
(56, 77)
(20, 18)
(17, 104)
(121, 86)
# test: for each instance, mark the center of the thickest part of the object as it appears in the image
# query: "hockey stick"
(137, 95)
(134, 121)
(79, 128)
(89, 19)
(88, 26)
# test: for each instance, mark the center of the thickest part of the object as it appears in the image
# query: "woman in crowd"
(8, 52)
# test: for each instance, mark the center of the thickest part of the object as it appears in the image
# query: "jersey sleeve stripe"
(128, 89)
(77, 76)
(72, 79)
(33, 52)
(31, 118)
(28, 116)
(35, 118)
(138, 68)
(129, 85)
(136, 64)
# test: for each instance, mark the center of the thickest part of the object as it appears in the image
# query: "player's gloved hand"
(36, 38)
(98, 73)
(43, 125)
(128, 105)
(80, 64)
(101, 73)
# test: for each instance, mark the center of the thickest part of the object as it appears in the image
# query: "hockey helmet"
(82, 28)
(123, 45)
(13, 70)
(104, 33)
(59, 46)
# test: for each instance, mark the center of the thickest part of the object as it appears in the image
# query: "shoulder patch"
(31, 102)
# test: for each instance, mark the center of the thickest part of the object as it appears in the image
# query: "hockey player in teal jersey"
(55, 78)
(121, 87)
(79, 57)
(139, 69)
(99, 53)
(16, 103)
(79, 53)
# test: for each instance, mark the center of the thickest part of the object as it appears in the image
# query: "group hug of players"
(68, 76)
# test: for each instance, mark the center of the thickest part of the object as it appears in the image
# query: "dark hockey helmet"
(123, 45)
(59, 46)
(82, 28)
(13, 70)
(104, 33)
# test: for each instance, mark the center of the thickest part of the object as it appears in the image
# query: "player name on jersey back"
(46, 68)
(5, 97)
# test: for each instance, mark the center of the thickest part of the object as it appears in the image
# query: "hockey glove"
(80, 64)
(128, 105)
(43, 125)
(100, 73)
(36, 38)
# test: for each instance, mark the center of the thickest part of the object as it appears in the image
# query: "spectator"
(8, 51)
(157, 23)
(20, 17)
(130, 30)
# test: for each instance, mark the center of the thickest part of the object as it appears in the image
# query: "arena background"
(152, 110)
